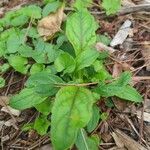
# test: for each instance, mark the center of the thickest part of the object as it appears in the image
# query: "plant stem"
(78, 84)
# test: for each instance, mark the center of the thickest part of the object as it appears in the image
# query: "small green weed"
(67, 75)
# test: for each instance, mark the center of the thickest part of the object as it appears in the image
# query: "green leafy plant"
(111, 6)
(66, 75)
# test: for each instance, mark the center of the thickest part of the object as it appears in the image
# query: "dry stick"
(136, 78)
(2, 145)
(132, 9)
(40, 141)
(22, 130)
(28, 28)
(142, 116)
(9, 83)
(138, 69)
(131, 124)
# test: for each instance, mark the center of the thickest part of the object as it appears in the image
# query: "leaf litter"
(123, 134)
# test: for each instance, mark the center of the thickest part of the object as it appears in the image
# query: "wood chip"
(146, 116)
(122, 33)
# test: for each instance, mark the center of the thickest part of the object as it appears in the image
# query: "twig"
(14, 120)
(9, 84)
(142, 115)
(78, 84)
(132, 9)
(2, 145)
(137, 78)
(28, 28)
(40, 141)
(131, 124)
(100, 47)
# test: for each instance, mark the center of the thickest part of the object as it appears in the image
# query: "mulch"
(123, 116)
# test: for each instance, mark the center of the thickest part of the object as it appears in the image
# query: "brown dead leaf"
(49, 25)
(4, 100)
(117, 70)
(11, 110)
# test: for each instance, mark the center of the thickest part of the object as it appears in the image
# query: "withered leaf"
(49, 25)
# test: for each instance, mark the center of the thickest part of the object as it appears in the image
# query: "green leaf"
(32, 11)
(83, 142)
(27, 127)
(19, 20)
(4, 68)
(51, 69)
(103, 39)
(13, 42)
(111, 6)
(44, 52)
(125, 92)
(25, 51)
(129, 93)
(51, 8)
(72, 110)
(101, 73)
(104, 116)
(2, 82)
(48, 1)
(124, 79)
(86, 58)
(80, 4)
(61, 39)
(80, 30)
(65, 62)
(2, 48)
(19, 63)
(44, 83)
(43, 78)
(94, 120)
(25, 99)
(5, 34)
(45, 107)
(36, 68)
(41, 124)
(31, 32)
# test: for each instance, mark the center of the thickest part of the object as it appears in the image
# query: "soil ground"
(126, 126)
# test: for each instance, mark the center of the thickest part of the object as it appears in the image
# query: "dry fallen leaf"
(117, 70)
(4, 100)
(49, 25)
(11, 110)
